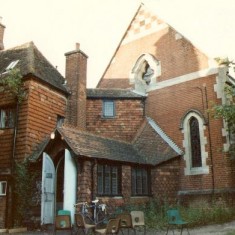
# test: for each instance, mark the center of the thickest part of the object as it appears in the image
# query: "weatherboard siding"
(6, 136)
(38, 117)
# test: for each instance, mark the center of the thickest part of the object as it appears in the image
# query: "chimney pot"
(77, 46)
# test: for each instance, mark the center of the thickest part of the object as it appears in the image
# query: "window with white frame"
(7, 117)
(108, 109)
(194, 143)
(145, 72)
(3, 188)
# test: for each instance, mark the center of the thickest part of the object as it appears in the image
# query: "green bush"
(197, 213)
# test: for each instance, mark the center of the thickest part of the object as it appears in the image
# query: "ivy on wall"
(13, 84)
(24, 191)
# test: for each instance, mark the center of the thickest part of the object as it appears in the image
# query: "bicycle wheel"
(102, 215)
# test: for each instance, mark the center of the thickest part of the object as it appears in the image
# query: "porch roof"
(87, 144)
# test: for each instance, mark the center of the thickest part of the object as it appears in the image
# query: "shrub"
(197, 213)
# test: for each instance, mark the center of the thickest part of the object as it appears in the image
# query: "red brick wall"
(170, 105)
(85, 182)
(177, 57)
(129, 116)
(2, 211)
(167, 106)
(165, 185)
(76, 64)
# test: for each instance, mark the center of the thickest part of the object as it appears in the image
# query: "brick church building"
(143, 133)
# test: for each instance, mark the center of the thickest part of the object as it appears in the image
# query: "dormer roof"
(31, 61)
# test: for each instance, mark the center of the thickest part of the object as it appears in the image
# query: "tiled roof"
(113, 93)
(31, 61)
(149, 147)
(154, 145)
(142, 151)
(94, 146)
(164, 136)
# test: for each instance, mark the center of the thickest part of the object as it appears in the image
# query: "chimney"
(76, 76)
(2, 28)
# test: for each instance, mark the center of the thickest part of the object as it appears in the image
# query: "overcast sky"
(98, 25)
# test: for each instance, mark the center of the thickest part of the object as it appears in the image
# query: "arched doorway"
(59, 184)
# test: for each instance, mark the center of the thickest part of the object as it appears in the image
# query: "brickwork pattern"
(177, 57)
(144, 22)
(2, 211)
(85, 182)
(76, 63)
(164, 181)
(167, 106)
(128, 118)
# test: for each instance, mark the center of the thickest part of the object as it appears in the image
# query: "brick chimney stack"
(76, 76)
(2, 28)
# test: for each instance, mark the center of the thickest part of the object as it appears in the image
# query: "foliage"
(203, 212)
(24, 191)
(14, 84)
(227, 110)
(198, 213)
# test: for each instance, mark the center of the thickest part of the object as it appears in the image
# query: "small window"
(7, 118)
(11, 66)
(108, 180)
(3, 188)
(140, 182)
(108, 109)
(60, 121)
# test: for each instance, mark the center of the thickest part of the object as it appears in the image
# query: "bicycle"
(94, 213)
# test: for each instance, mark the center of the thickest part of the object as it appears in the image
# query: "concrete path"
(217, 229)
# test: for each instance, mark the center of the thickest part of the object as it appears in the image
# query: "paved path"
(217, 229)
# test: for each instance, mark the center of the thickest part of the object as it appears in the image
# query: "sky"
(55, 26)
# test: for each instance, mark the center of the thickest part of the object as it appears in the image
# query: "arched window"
(195, 143)
(145, 72)
(193, 128)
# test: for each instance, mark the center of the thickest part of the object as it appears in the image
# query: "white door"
(48, 190)
(70, 183)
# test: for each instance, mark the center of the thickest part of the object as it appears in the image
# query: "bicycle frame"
(97, 209)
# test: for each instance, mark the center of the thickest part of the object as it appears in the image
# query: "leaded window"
(195, 143)
(109, 179)
(140, 181)
(7, 118)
